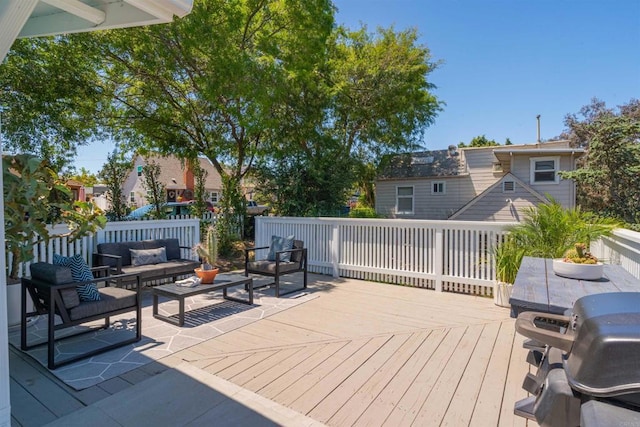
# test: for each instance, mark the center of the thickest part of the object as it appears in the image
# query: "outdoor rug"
(207, 316)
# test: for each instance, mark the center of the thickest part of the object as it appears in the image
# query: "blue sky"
(505, 61)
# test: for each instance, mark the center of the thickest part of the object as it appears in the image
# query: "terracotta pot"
(206, 276)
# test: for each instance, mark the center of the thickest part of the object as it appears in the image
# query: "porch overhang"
(31, 18)
(504, 154)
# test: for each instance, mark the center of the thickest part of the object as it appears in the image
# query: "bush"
(363, 213)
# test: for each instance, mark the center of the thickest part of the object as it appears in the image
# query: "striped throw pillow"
(80, 272)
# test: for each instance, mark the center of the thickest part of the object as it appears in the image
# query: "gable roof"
(172, 168)
(436, 163)
(507, 177)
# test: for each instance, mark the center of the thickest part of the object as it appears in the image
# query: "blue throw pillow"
(280, 244)
(80, 272)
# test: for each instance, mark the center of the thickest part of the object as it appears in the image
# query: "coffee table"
(222, 282)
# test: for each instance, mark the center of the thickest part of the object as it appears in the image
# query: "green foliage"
(85, 177)
(34, 196)
(608, 179)
(508, 257)
(363, 212)
(49, 89)
(113, 174)
(549, 230)
(156, 190)
(579, 255)
(199, 206)
(482, 141)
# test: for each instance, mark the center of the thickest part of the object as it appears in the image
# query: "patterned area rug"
(207, 316)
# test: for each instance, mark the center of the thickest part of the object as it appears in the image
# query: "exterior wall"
(459, 190)
(497, 205)
(479, 165)
(563, 192)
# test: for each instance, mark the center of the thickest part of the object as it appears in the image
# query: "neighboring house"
(176, 176)
(77, 190)
(479, 183)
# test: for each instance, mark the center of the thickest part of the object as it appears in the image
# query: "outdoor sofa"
(157, 259)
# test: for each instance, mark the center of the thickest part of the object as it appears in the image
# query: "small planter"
(577, 271)
(206, 276)
(502, 293)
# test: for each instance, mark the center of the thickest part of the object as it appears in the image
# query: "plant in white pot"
(578, 263)
(34, 197)
(508, 257)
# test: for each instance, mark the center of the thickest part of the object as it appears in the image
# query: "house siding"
(497, 205)
(459, 190)
(563, 192)
(479, 164)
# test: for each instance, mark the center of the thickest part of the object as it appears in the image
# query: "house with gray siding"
(476, 183)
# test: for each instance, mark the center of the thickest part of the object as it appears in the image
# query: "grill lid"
(605, 358)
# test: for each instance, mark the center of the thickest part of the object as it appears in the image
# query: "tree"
(369, 96)
(210, 83)
(48, 86)
(114, 173)
(608, 179)
(199, 192)
(482, 141)
(156, 190)
(85, 177)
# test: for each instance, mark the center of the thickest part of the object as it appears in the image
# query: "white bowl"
(577, 271)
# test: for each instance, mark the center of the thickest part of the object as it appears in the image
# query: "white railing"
(187, 231)
(442, 255)
(622, 248)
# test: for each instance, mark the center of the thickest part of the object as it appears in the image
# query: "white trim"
(556, 169)
(433, 184)
(79, 9)
(413, 199)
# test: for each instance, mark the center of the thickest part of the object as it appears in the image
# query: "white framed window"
(544, 170)
(140, 170)
(404, 200)
(508, 186)
(132, 197)
(214, 197)
(438, 187)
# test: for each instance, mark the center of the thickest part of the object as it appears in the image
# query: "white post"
(439, 259)
(335, 249)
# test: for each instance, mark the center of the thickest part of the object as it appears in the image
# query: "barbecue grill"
(588, 363)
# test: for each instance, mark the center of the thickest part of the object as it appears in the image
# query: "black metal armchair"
(277, 268)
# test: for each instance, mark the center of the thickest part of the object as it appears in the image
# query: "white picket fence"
(452, 256)
(187, 231)
(622, 248)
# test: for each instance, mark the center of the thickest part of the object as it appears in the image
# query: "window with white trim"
(404, 200)
(544, 170)
(438, 187)
(214, 197)
(132, 197)
(508, 186)
(140, 170)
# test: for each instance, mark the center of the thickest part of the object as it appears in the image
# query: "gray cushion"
(270, 266)
(56, 275)
(120, 249)
(280, 244)
(179, 266)
(148, 256)
(297, 256)
(112, 298)
(172, 247)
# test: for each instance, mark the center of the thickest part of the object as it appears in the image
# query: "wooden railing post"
(439, 259)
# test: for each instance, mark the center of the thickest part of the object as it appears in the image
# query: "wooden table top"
(538, 288)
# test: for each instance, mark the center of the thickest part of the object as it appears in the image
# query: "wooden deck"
(361, 353)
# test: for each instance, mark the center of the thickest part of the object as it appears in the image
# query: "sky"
(503, 62)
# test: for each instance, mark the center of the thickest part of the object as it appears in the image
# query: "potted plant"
(35, 198)
(578, 263)
(508, 257)
(207, 251)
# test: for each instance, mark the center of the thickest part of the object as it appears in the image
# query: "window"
(140, 170)
(214, 197)
(508, 187)
(438, 187)
(544, 170)
(404, 200)
(132, 197)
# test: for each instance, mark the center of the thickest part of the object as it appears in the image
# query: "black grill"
(588, 363)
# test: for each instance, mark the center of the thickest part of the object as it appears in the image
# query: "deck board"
(361, 353)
